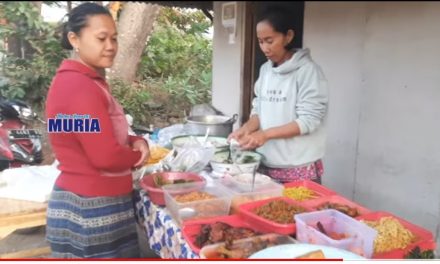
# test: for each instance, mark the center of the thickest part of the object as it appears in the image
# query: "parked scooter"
(19, 145)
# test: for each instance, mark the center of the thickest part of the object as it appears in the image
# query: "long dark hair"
(280, 19)
(78, 20)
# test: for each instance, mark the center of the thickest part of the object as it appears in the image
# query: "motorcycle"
(19, 144)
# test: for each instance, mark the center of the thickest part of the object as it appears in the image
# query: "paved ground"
(35, 238)
(24, 239)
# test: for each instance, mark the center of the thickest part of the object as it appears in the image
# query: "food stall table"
(163, 233)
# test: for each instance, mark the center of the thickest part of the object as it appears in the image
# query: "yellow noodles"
(156, 154)
(299, 193)
(390, 234)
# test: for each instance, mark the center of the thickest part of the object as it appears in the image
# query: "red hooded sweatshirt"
(91, 164)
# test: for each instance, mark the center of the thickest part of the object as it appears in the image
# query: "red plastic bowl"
(424, 238)
(156, 194)
(191, 228)
(264, 225)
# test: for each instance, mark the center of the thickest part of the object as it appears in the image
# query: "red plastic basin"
(314, 204)
(319, 189)
(264, 225)
(156, 194)
(191, 228)
(424, 238)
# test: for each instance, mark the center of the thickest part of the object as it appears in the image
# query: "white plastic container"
(360, 237)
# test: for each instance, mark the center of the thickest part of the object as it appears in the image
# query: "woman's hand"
(253, 124)
(237, 134)
(142, 146)
(254, 140)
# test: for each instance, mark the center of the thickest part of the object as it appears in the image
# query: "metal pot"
(220, 126)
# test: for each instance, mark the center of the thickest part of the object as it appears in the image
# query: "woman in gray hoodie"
(288, 113)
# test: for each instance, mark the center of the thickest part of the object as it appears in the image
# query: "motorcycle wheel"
(38, 157)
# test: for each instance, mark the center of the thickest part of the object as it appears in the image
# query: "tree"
(27, 75)
(134, 26)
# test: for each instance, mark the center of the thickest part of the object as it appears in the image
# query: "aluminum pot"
(219, 125)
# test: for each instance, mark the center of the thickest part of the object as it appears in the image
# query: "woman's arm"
(102, 148)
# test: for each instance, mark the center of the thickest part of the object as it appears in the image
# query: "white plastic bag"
(192, 157)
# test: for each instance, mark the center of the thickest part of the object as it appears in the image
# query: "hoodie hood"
(299, 58)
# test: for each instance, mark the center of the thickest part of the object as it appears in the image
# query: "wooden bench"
(18, 214)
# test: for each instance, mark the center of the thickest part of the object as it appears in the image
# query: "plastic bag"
(194, 156)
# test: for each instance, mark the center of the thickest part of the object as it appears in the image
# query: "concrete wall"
(227, 73)
(382, 63)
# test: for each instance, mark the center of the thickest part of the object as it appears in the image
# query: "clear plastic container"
(199, 209)
(243, 248)
(240, 195)
(358, 237)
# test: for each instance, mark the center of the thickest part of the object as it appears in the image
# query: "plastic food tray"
(319, 189)
(424, 238)
(209, 252)
(156, 193)
(198, 209)
(359, 240)
(314, 204)
(264, 225)
(191, 228)
(260, 192)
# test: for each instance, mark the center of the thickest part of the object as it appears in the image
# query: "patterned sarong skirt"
(91, 227)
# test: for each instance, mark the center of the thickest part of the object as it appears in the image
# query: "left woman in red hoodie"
(90, 211)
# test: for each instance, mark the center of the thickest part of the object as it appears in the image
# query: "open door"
(253, 57)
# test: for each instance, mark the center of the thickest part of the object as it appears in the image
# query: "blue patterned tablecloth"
(163, 233)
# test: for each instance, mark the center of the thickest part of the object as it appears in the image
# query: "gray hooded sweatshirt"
(294, 91)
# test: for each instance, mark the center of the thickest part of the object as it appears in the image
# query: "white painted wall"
(227, 72)
(382, 63)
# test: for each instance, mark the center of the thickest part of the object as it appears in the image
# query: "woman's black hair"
(78, 19)
(280, 19)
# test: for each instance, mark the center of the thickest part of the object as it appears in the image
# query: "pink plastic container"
(191, 228)
(319, 189)
(359, 237)
(156, 193)
(314, 204)
(264, 225)
(424, 238)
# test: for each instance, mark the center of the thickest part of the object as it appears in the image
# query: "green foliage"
(175, 69)
(179, 56)
(29, 77)
(132, 97)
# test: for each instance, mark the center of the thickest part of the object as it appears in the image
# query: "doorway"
(253, 57)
